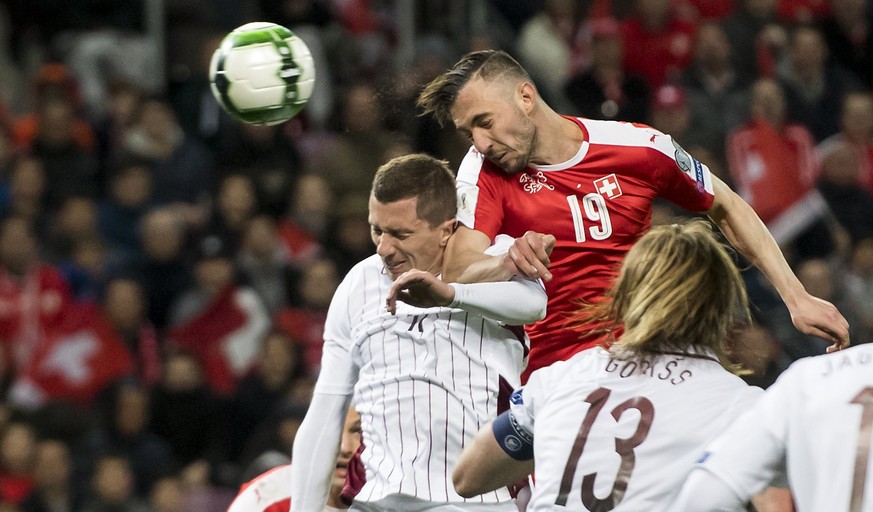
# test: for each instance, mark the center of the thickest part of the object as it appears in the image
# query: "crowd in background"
(165, 270)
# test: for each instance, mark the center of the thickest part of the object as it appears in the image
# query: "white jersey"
(817, 419)
(428, 380)
(622, 436)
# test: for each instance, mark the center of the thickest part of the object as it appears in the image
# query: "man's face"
(349, 444)
(494, 116)
(404, 241)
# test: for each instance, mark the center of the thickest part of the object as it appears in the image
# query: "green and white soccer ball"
(262, 74)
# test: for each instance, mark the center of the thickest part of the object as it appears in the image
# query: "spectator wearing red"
(34, 296)
(773, 164)
(856, 121)
(657, 42)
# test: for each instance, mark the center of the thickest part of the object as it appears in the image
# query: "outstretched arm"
(515, 302)
(466, 261)
(748, 234)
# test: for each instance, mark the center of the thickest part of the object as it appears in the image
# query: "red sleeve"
(480, 201)
(683, 179)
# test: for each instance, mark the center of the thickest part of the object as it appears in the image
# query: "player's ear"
(527, 93)
(447, 228)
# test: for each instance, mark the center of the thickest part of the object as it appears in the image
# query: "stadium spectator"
(848, 32)
(772, 162)
(162, 267)
(182, 168)
(666, 380)
(124, 431)
(533, 171)
(717, 101)
(235, 203)
(53, 486)
(860, 285)
(219, 320)
(168, 495)
(27, 192)
(814, 86)
(851, 205)
(17, 451)
(780, 436)
(112, 486)
(121, 211)
(670, 113)
(658, 42)
(34, 297)
(260, 394)
(126, 309)
(307, 219)
(856, 129)
(396, 361)
(186, 414)
(348, 160)
(264, 265)
(547, 43)
(304, 321)
(71, 166)
(606, 90)
(756, 39)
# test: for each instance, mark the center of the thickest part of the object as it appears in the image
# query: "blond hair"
(679, 291)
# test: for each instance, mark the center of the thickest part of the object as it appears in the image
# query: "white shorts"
(405, 503)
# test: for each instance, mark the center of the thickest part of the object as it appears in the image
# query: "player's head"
(489, 98)
(349, 444)
(412, 213)
(678, 289)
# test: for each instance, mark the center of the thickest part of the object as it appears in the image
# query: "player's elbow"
(464, 480)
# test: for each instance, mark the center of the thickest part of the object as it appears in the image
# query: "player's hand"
(820, 318)
(420, 289)
(529, 256)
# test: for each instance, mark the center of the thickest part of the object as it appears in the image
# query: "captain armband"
(512, 438)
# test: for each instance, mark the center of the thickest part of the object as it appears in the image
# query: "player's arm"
(316, 447)
(317, 443)
(466, 261)
(485, 463)
(748, 234)
(514, 302)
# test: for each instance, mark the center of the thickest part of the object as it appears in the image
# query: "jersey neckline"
(575, 159)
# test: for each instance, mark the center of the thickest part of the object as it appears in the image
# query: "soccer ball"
(262, 74)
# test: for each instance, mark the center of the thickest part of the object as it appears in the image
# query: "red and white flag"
(76, 360)
(226, 336)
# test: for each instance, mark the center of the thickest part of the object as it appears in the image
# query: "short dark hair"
(421, 176)
(439, 95)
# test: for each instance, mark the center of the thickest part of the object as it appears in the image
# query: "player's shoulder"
(853, 360)
(268, 491)
(627, 139)
(584, 363)
(474, 164)
(368, 270)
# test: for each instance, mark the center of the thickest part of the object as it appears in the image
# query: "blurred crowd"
(165, 271)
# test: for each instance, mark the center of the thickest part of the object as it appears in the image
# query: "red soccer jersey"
(597, 204)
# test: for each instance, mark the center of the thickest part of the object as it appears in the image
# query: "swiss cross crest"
(608, 186)
(534, 182)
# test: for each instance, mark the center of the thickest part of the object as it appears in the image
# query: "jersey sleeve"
(681, 178)
(480, 204)
(338, 373)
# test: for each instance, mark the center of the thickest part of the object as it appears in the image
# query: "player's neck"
(558, 139)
